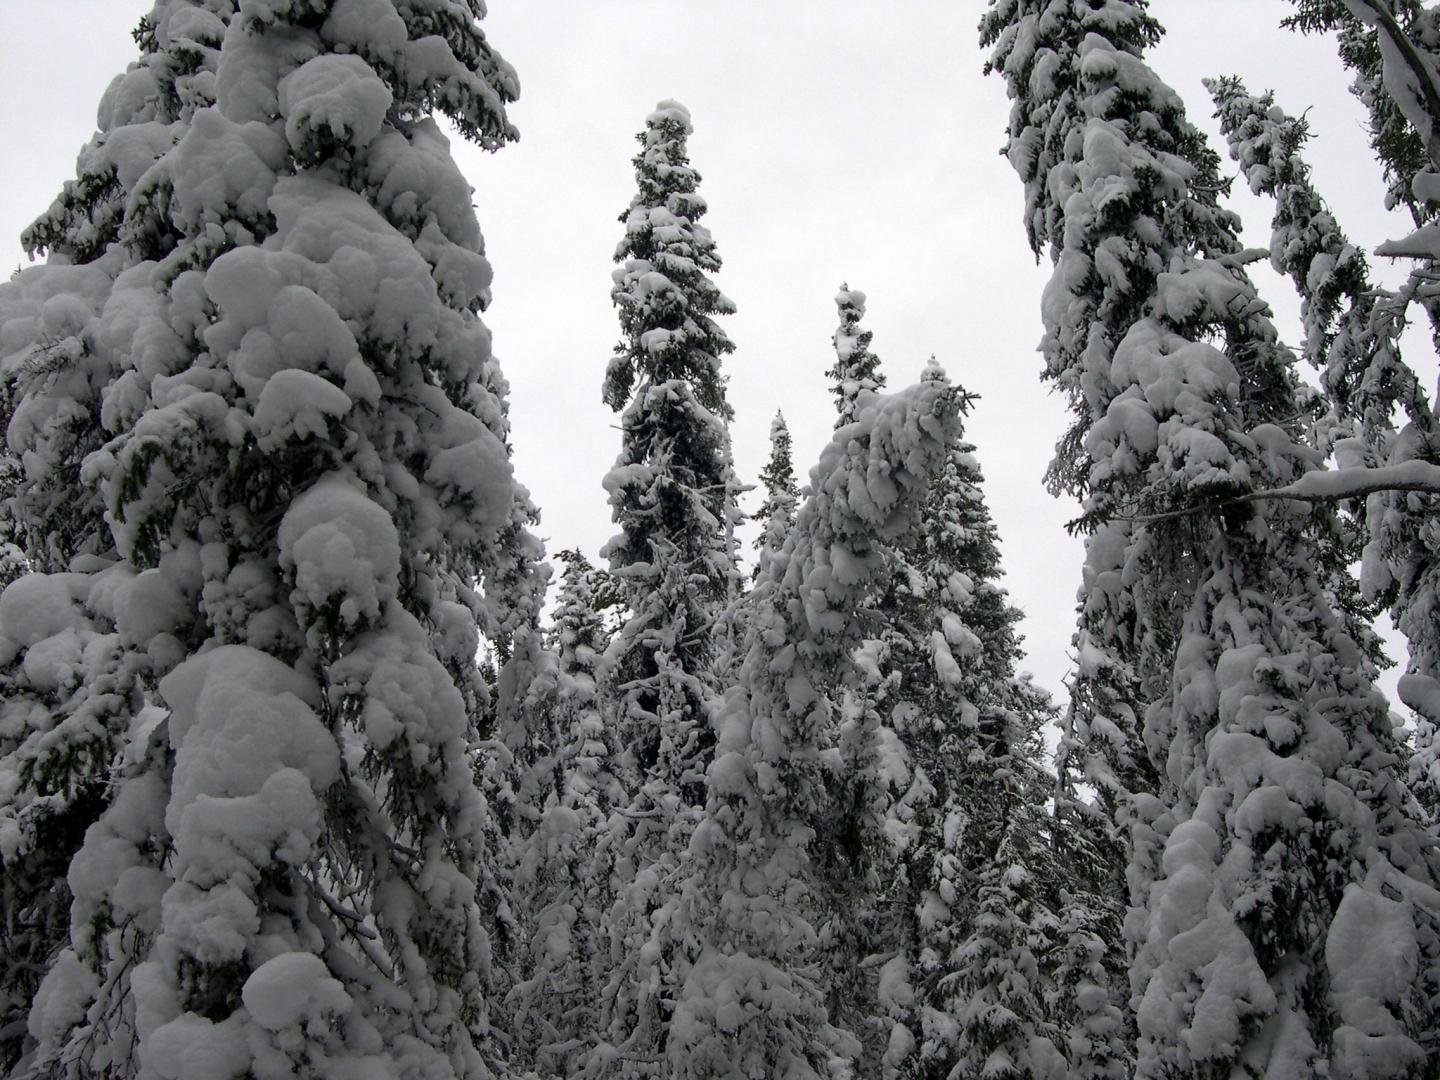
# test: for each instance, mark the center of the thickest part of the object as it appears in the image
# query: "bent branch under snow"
(1322, 487)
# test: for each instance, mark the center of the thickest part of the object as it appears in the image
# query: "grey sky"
(839, 141)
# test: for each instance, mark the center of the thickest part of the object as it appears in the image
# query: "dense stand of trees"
(298, 778)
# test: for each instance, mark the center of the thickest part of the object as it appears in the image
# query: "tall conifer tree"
(777, 513)
(853, 854)
(1345, 336)
(306, 472)
(1260, 719)
(967, 909)
(752, 1001)
(1394, 135)
(671, 493)
(64, 727)
(668, 488)
(1353, 334)
(565, 860)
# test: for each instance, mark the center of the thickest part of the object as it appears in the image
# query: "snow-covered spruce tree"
(307, 470)
(519, 738)
(671, 492)
(1365, 380)
(852, 856)
(856, 368)
(963, 920)
(74, 663)
(1282, 826)
(751, 1003)
(1103, 768)
(995, 1024)
(777, 512)
(852, 853)
(1394, 49)
(54, 361)
(1088, 964)
(1082, 977)
(564, 870)
(72, 689)
(668, 486)
(50, 410)
(1346, 337)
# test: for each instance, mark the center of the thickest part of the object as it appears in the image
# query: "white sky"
(839, 140)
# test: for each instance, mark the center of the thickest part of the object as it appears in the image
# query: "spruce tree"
(1279, 823)
(1365, 381)
(1083, 977)
(856, 368)
(306, 472)
(777, 512)
(671, 493)
(752, 1002)
(74, 680)
(1352, 326)
(668, 487)
(1332, 276)
(565, 859)
(1393, 50)
(853, 852)
(967, 910)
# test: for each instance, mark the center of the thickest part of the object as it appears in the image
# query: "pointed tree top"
(574, 560)
(856, 369)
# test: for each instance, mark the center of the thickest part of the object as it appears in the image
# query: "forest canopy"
(315, 761)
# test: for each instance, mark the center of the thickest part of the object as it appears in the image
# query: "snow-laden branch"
(1324, 487)
(1377, 13)
(1355, 481)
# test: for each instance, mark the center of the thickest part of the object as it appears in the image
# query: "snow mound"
(293, 988)
(343, 551)
(296, 404)
(671, 110)
(219, 170)
(37, 606)
(238, 715)
(332, 101)
(1372, 955)
(191, 1046)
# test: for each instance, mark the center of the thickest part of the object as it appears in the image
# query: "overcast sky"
(839, 140)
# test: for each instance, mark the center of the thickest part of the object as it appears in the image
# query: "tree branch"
(1384, 20)
(1323, 487)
